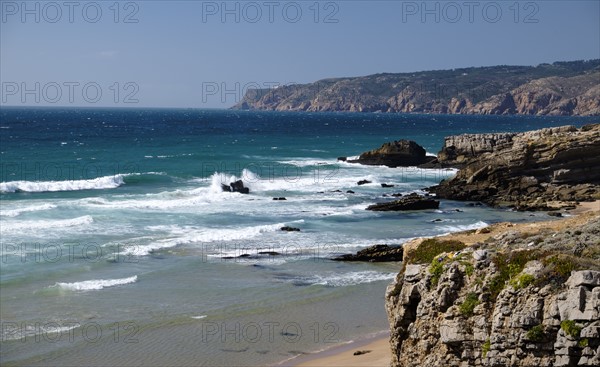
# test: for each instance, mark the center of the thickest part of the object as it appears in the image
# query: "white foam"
(32, 208)
(346, 279)
(28, 225)
(98, 284)
(307, 162)
(463, 227)
(106, 182)
(187, 235)
(198, 317)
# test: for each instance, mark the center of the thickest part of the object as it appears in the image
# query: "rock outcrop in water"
(237, 186)
(376, 253)
(400, 153)
(525, 170)
(562, 88)
(512, 300)
(409, 202)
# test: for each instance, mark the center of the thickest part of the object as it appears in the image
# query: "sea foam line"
(10, 226)
(96, 284)
(32, 208)
(106, 182)
(346, 279)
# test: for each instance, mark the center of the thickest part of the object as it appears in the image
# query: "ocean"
(120, 248)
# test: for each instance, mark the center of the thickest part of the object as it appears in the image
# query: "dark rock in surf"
(363, 182)
(290, 229)
(270, 253)
(376, 253)
(410, 202)
(238, 186)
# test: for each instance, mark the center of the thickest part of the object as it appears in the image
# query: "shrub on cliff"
(430, 248)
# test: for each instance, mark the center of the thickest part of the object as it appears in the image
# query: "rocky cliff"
(514, 299)
(525, 170)
(562, 88)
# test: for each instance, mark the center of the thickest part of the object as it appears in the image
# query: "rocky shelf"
(524, 170)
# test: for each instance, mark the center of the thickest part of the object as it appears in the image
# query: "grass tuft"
(467, 307)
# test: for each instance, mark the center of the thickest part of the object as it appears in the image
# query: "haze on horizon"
(168, 54)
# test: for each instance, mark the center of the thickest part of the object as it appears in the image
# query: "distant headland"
(560, 89)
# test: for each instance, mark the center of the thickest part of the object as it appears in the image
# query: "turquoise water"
(119, 247)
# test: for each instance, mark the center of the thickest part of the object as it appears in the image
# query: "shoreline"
(379, 354)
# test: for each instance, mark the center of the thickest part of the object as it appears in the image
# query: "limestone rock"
(455, 320)
(524, 170)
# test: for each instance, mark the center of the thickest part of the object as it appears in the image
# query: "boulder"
(400, 153)
(237, 186)
(290, 229)
(363, 182)
(585, 277)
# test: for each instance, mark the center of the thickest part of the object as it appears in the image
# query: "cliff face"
(523, 169)
(568, 88)
(513, 300)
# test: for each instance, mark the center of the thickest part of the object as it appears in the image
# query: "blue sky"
(204, 54)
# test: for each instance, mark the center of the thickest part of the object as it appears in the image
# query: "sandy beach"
(375, 353)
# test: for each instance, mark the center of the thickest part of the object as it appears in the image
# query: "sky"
(206, 54)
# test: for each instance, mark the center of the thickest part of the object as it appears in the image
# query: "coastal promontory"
(530, 170)
(558, 89)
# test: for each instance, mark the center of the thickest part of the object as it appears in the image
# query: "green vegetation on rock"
(436, 269)
(509, 265)
(522, 281)
(536, 333)
(467, 307)
(485, 348)
(430, 248)
(570, 328)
